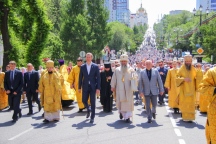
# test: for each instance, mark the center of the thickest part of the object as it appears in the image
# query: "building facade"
(139, 18)
(210, 4)
(118, 11)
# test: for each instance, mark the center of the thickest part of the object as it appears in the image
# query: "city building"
(139, 18)
(175, 12)
(210, 4)
(118, 11)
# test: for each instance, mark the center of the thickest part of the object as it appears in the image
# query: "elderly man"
(121, 84)
(208, 88)
(50, 89)
(150, 86)
(186, 81)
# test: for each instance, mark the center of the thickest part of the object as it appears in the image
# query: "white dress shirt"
(88, 67)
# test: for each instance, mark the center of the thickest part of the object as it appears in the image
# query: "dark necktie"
(11, 77)
(29, 75)
(149, 74)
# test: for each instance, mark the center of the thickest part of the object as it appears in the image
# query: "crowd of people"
(149, 75)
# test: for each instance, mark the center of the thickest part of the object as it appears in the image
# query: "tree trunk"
(5, 35)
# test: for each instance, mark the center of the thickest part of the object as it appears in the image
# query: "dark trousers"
(85, 96)
(32, 96)
(161, 97)
(14, 102)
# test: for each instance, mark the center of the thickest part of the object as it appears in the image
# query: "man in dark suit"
(89, 81)
(30, 87)
(13, 83)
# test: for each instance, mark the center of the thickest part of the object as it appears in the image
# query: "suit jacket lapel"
(85, 67)
(146, 74)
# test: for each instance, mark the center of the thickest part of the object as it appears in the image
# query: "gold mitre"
(50, 64)
(124, 57)
(188, 57)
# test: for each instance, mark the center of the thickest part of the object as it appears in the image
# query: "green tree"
(97, 17)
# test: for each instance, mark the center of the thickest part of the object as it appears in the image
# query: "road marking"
(181, 141)
(171, 117)
(28, 130)
(178, 132)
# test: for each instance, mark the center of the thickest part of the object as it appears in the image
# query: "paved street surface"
(107, 128)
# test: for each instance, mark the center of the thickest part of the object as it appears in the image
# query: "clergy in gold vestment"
(68, 94)
(208, 88)
(173, 90)
(50, 89)
(73, 79)
(121, 83)
(3, 95)
(199, 77)
(204, 100)
(185, 79)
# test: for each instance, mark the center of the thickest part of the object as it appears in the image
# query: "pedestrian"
(208, 88)
(13, 84)
(50, 89)
(106, 97)
(186, 80)
(163, 73)
(3, 95)
(23, 97)
(89, 82)
(73, 79)
(121, 84)
(30, 87)
(173, 90)
(150, 86)
(68, 94)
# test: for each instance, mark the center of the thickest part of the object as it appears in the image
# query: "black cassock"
(106, 97)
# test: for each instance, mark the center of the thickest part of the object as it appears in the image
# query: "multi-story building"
(210, 4)
(175, 12)
(139, 18)
(118, 10)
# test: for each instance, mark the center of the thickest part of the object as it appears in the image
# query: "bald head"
(148, 64)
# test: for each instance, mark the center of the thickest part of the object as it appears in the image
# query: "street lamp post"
(201, 14)
(200, 24)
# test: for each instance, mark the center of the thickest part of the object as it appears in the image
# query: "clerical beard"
(124, 68)
(188, 66)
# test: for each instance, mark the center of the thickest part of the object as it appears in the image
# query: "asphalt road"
(74, 128)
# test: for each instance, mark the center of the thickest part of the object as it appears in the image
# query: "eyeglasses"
(79, 60)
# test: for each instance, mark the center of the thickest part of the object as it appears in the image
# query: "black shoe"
(149, 121)
(45, 121)
(20, 114)
(128, 120)
(92, 121)
(80, 110)
(175, 111)
(10, 109)
(39, 108)
(88, 114)
(159, 103)
(153, 115)
(30, 113)
(144, 107)
(43, 115)
(14, 120)
(120, 116)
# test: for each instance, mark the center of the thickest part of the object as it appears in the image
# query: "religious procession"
(125, 82)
